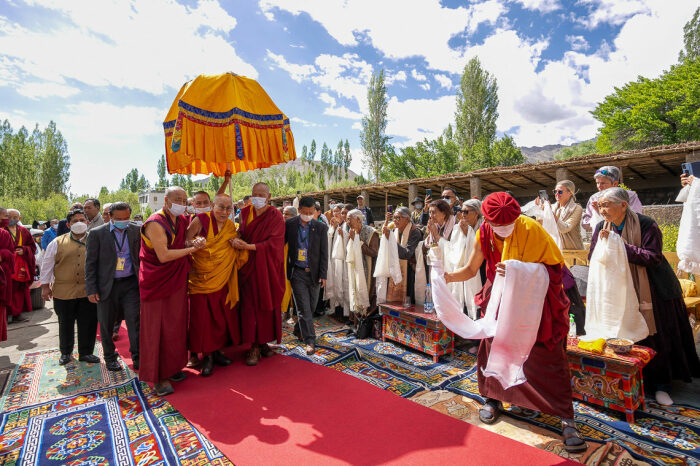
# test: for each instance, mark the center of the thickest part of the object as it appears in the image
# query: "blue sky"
(107, 71)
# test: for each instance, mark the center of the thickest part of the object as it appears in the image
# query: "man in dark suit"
(366, 211)
(307, 265)
(112, 279)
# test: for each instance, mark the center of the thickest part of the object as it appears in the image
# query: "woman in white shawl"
(361, 254)
(337, 280)
(455, 242)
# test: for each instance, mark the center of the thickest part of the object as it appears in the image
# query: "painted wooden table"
(609, 379)
(414, 328)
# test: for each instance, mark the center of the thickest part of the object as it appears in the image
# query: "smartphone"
(690, 168)
(390, 209)
(543, 195)
(429, 192)
(298, 192)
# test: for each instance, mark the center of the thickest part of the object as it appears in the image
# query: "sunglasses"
(558, 191)
(466, 212)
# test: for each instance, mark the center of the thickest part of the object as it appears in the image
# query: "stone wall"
(664, 213)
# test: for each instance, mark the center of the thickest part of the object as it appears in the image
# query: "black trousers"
(69, 311)
(305, 297)
(124, 300)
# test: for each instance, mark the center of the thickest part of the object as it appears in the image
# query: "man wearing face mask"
(504, 235)
(25, 264)
(7, 268)
(417, 214)
(261, 280)
(307, 265)
(49, 234)
(111, 279)
(164, 265)
(63, 280)
(213, 285)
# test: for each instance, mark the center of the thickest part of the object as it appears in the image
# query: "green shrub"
(670, 236)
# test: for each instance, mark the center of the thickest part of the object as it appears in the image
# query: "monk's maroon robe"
(548, 386)
(164, 307)
(261, 280)
(24, 271)
(7, 268)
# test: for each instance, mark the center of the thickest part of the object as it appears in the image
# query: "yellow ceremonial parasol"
(225, 122)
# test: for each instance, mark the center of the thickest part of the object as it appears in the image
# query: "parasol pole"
(230, 189)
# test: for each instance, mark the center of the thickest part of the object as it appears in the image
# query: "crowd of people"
(203, 274)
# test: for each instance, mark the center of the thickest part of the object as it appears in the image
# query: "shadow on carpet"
(661, 435)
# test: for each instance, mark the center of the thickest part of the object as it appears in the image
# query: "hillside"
(299, 165)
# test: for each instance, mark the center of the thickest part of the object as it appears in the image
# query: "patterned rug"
(38, 378)
(660, 435)
(122, 425)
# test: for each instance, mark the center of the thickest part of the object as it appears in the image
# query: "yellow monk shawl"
(287, 298)
(217, 263)
(529, 242)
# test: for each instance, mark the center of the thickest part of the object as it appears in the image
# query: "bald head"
(175, 195)
(13, 213)
(175, 190)
(261, 190)
(223, 199)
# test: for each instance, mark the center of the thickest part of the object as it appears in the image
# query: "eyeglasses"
(466, 211)
(447, 198)
(558, 191)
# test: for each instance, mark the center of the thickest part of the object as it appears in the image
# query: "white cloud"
(444, 80)
(149, 45)
(613, 12)
(297, 72)
(357, 125)
(391, 78)
(407, 34)
(578, 43)
(45, 89)
(412, 120)
(544, 6)
(308, 124)
(334, 109)
(418, 76)
(425, 86)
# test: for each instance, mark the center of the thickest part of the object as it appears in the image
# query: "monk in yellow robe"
(213, 285)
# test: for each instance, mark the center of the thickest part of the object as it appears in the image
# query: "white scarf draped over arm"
(456, 254)
(357, 280)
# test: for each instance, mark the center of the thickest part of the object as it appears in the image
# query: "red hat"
(500, 208)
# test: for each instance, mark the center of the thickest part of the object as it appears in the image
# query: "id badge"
(120, 264)
(302, 255)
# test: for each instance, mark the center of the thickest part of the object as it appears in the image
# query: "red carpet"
(288, 411)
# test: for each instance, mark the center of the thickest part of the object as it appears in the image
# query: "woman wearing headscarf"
(606, 177)
(504, 235)
(658, 290)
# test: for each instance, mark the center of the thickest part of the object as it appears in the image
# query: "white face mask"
(419, 205)
(203, 210)
(306, 218)
(190, 209)
(177, 209)
(504, 231)
(78, 228)
(258, 202)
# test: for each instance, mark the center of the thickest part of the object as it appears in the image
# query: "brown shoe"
(194, 361)
(253, 356)
(163, 388)
(266, 351)
(310, 349)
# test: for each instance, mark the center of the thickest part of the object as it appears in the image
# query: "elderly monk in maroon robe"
(24, 266)
(507, 235)
(213, 285)
(163, 284)
(261, 280)
(7, 267)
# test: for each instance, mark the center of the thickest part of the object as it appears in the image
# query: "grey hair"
(292, 209)
(403, 212)
(570, 186)
(616, 195)
(473, 204)
(356, 213)
(614, 171)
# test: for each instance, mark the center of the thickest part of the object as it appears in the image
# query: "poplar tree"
(373, 136)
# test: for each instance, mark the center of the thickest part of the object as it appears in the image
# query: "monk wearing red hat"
(508, 235)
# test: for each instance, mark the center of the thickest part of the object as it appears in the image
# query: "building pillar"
(365, 195)
(475, 187)
(326, 202)
(563, 174)
(412, 193)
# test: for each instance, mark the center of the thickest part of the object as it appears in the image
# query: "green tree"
(691, 39)
(650, 112)
(133, 182)
(424, 159)
(576, 150)
(162, 173)
(477, 107)
(304, 153)
(347, 159)
(312, 151)
(505, 153)
(52, 160)
(373, 138)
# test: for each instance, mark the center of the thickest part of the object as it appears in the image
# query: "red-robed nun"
(163, 284)
(508, 235)
(24, 265)
(7, 267)
(261, 280)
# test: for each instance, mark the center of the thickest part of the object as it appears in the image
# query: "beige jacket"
(570, 227)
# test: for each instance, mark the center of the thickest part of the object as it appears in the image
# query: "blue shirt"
(121, 243)
(303, 244)
(49, 235)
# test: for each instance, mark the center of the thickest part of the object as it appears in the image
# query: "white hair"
(473, 204)
(616, 195)
(403, 212)
(356, 213)
(292, 209)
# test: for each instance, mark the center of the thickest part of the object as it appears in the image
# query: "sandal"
(490, 411)
(573, 441)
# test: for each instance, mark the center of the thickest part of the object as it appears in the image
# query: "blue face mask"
(121, 224)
